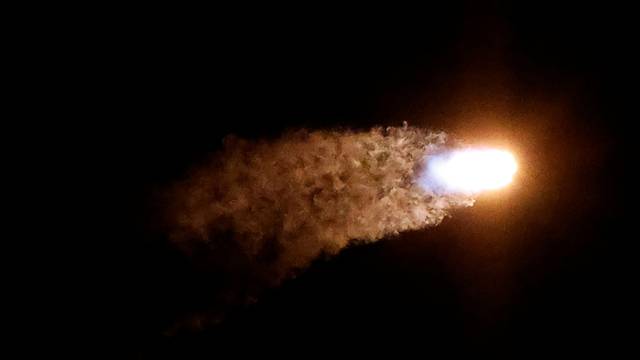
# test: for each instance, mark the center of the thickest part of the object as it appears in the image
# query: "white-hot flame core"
(469, 171)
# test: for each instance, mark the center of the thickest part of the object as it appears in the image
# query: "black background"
(534, 267)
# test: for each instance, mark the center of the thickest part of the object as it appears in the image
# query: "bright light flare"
(469, 171)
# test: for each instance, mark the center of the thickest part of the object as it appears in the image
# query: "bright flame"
(470, 170)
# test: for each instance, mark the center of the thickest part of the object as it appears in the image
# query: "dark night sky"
(529, 268)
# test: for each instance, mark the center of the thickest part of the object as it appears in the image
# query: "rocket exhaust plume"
(266, 209)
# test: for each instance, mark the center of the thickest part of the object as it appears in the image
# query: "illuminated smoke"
(266, 209)
(312, 192)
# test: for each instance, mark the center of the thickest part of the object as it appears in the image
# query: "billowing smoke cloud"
(267, 209)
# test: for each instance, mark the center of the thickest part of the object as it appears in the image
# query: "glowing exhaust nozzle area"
(469, 171)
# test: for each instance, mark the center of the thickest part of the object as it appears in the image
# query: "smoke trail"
(267, 209)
